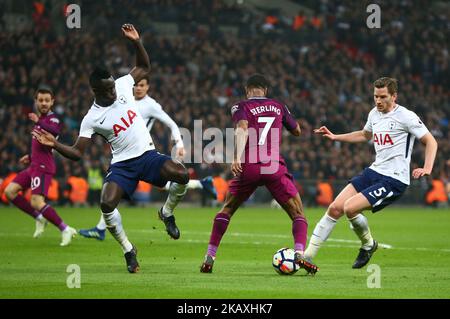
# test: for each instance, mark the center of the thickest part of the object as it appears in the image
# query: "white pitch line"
(199, 241)
(385, 246)
(205, 241)
(337, 240)
(382, 245)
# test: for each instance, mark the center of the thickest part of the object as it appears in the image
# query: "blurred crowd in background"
(321, 62)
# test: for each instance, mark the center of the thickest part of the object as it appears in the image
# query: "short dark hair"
(44, 89)
(390, 83)
(99, 74)
(145, 77)
(257, 81)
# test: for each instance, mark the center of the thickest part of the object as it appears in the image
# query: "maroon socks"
(221, 222)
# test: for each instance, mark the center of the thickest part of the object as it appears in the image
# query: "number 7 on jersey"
(269, 121)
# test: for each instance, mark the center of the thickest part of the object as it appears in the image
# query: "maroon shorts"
(38, 180)
(277, 180)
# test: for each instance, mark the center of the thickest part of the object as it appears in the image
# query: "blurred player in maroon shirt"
(40, 172)
(257, 161)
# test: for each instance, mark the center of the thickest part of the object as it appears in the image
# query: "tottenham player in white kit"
(114, 116)
(393, 129)
(150, 111)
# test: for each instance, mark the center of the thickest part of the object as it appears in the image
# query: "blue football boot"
(93, 233)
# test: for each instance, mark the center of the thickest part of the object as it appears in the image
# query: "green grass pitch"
(417, 264)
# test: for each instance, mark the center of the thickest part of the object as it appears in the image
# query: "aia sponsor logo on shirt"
(124, 123)
(382, 139)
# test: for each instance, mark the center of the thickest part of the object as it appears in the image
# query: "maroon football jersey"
(42, 155)
(266, 118)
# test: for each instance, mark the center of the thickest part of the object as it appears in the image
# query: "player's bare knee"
(298, 210)
(176, 172)
(183, 175)
(293, 208)
(295, 211)
(11, 192)
(335, 211)
(37, 202)
(349, 209)
(107, 206)
(350, 213)
(227, 207)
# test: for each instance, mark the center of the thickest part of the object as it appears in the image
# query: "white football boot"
(67, 235)
(41, 223)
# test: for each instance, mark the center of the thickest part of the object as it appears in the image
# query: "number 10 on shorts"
(35, 182)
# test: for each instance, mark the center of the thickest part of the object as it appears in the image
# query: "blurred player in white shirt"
(151, 111)
(393, 129)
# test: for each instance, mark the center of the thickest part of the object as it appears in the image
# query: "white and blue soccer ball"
(283, 261)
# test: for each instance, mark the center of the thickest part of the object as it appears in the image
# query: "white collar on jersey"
(99, 106)
(146, 97)
(257, 97)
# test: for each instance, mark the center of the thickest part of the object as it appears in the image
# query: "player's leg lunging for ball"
(110, 198)
(37, 207)
(220, 225)
(327, 223)
(350, 203)
(174, 171)
(294, 208)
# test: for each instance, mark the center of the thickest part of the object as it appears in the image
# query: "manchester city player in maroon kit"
(40, 172)
(257, 161)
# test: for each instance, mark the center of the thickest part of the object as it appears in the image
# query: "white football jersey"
(393, 136)
(151, 111)
(120, 124)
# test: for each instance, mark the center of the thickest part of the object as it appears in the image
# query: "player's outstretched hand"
(33, 117)
(44, 137)
(25, 160)
(236, 168)
(419, 172)
(130, 32)
(325, 132)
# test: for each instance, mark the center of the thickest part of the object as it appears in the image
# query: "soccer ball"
(283, 262)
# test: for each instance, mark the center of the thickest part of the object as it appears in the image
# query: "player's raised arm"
(175, 130)
(142, 59)
(241, 133)
(74, 152)
(353, 137)
(431, 147)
